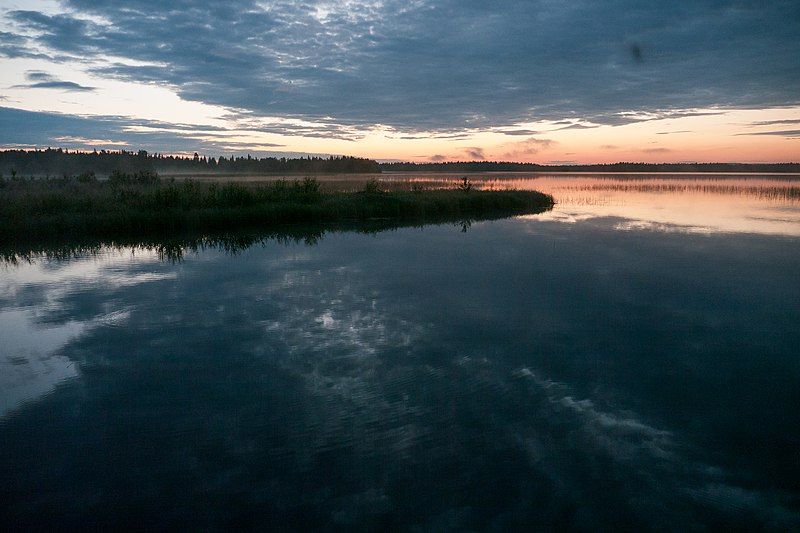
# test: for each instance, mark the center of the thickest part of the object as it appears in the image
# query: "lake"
(630, 359)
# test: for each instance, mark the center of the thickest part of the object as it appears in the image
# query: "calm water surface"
(631, 358)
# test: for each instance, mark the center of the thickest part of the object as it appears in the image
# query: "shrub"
(236, 195)
(306, 191)
(373, 186)
(465, 185)
(309, 186)
(144, 177)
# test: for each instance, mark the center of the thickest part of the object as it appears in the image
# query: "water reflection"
(29, 367)
(695, 203)
(526, 372)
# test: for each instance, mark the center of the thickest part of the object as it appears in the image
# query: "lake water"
(629, 359)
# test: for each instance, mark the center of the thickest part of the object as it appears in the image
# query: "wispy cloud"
(776, 122)
(580, 127)
(475, 153)
(516, 132)
(781, 133)
(526, 148)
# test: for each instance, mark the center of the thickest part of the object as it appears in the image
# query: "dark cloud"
(516, 132)
(63, 85)
(780, 133)
(413, 66)
(436, 158)
(33, 129)
(656, 150)
(43, 80)
(15, 46)
(671, 132)
(580, 127)
(776, 122)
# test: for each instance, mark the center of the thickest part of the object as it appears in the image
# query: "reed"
(141, 204)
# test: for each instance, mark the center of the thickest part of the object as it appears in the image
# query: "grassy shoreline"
(142, 204)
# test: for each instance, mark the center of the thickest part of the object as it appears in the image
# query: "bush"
(145, 177)
(465, 185)
(236, 195)
(309, 186)
(306, 191)
(373, 186)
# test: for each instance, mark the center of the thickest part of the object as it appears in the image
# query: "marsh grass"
(141, 204)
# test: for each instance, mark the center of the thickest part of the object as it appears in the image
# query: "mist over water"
(626, 359)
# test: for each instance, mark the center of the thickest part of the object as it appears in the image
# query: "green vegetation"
(141, 204)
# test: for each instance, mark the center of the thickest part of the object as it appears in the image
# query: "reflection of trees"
(174, 247)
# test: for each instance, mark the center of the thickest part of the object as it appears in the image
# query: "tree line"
(58, 162)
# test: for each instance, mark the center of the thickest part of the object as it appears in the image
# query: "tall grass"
(141, 203)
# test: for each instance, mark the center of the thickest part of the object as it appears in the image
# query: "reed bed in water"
(142, 203)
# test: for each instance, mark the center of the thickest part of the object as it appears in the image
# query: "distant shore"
(54, 162)
(143, 204)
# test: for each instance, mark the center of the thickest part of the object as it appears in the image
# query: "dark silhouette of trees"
(58, 162)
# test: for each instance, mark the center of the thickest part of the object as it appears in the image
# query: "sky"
(545, 81)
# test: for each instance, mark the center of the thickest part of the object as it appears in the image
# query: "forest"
(56, 162)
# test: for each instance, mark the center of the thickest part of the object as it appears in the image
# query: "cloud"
(526, 148)
(608, 146)
(672, 132)
(64, 85)
(43, 80)
(34, 129)
(436, 158)
(781, 133)
(580, 127)
(657, 150)
(515, 132)
(412, 66)
(475, 153)
(776, 122)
